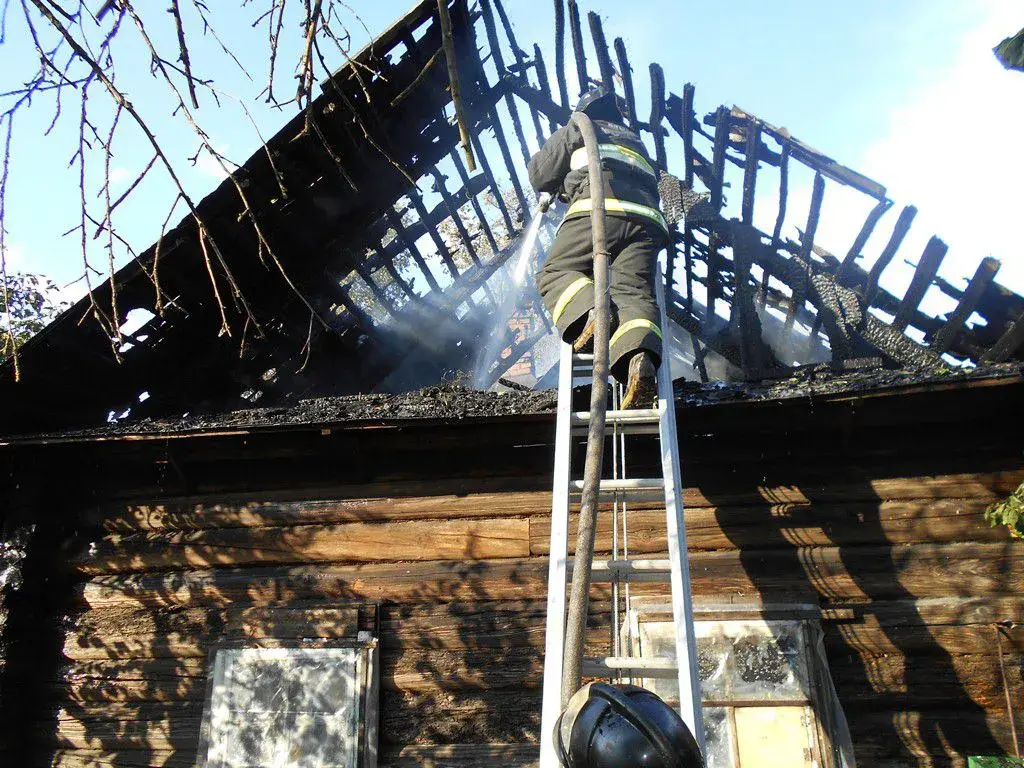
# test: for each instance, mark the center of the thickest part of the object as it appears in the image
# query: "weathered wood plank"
(870, 637)
(797, 525)
(922, 682)
(407, 718)
(139, 758)
(432, 501)
(347, 542)
(187, 515)
(463, 756)
(939, 737)
(834, 573)
(192, 631)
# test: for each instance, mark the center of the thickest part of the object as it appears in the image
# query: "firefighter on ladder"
(636, 232)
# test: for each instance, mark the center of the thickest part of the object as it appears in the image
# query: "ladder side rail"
(682, 597)
(554, 638)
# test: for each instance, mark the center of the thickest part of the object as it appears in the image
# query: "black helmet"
(600, 104)
(621, 726)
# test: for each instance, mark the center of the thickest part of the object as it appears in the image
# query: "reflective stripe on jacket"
(611, 205)
(627, 172)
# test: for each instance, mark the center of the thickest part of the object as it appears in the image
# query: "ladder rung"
(637, 421)
(633, 570)
(633, 488)
(583, 357)
(604, 666)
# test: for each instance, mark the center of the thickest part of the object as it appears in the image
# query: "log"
(100, 641)
(520, 499)
(191, 632)
(834, 573)
(796, 525)
(140, 758)
(922, 682)
(187, 515)
(895, 739)
(120, 644)
(870, 638)
(406, 719)
(348, 542)
(462, 756)
(422, 756)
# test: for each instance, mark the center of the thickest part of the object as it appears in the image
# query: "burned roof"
(389, 250)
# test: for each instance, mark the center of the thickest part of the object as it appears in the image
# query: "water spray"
(497, 336)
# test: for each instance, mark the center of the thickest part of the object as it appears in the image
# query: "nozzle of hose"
(544, 201)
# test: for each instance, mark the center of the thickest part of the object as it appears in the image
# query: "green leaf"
(1009, 512)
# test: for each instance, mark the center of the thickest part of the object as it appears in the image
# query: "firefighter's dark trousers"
(566, 283)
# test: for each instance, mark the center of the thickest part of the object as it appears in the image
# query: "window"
(767, 694)
(292, 707)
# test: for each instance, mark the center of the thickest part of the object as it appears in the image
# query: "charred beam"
(521, 64)
(750, 172)
(657, 112)
(545, 85)
(604, 60)
(563, 88)
(517, 125)
(718, 157)
(578, 52)
(898, 233)
(475, 202)
(954, 324)
(626, 72)
(927, 268)
(409, 244)
(862, 237)
(1008, 343)
(807, 243)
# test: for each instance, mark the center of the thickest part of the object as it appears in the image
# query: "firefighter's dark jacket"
(550, 170)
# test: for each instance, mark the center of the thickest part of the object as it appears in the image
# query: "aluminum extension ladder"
(658, 421)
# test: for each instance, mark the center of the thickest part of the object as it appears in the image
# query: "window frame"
(819, 703)
(368, 698)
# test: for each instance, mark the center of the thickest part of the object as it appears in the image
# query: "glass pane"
(737, 660)
(767, 660)
(718, 738)
(712, 661)
(294, 708)
(773, 736)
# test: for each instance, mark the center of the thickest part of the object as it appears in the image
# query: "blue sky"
(905, 91)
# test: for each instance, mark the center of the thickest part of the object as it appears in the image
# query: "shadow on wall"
(916, 668)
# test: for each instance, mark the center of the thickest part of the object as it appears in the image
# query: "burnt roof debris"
(395, 250)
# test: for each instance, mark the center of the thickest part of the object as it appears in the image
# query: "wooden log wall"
(860, 508)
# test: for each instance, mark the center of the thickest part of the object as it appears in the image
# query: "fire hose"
(576, 622)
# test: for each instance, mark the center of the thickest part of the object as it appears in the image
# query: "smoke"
(476, 343)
